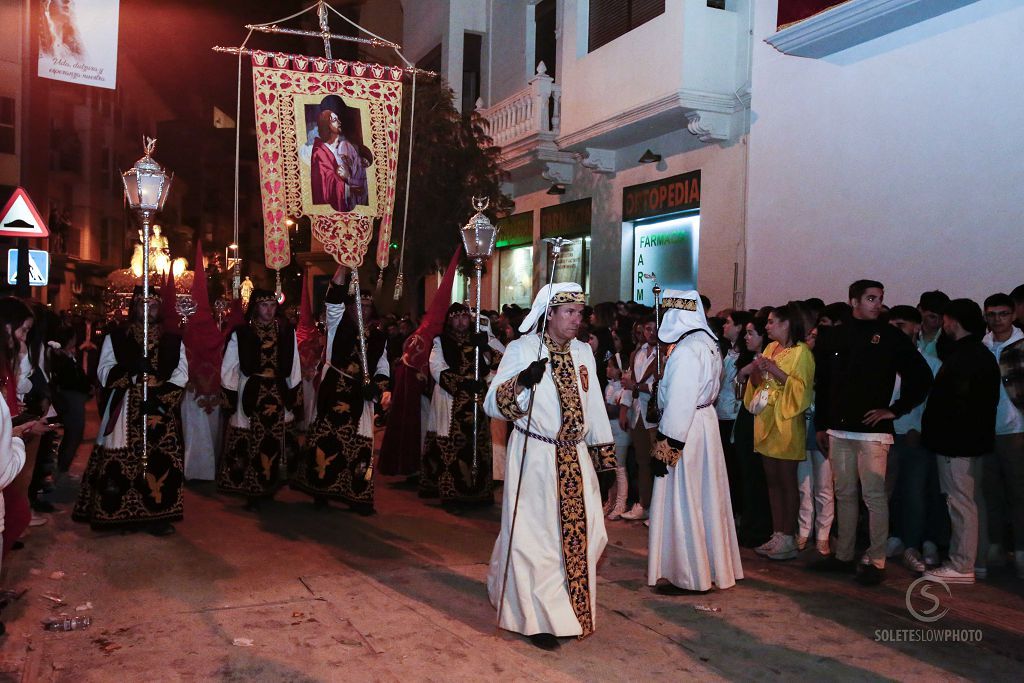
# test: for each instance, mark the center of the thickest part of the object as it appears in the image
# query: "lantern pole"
(145, 215)
(478, 238)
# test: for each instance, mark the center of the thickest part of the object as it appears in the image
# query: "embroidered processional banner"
(327, 134)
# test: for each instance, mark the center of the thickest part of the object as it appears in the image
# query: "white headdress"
(558, 294)
(683, 311)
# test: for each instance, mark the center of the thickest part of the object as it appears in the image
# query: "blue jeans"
(921, 512)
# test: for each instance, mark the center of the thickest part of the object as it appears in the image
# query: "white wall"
(424, 25)
(507, 60)
(899, 160)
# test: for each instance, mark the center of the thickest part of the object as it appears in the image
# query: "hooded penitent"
(550, 296)
(400, 451)
(682, 312)
(203, 342)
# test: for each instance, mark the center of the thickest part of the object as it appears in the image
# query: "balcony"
(525, 125)
(685, 69)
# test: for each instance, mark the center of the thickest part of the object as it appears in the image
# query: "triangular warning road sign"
(20, 218)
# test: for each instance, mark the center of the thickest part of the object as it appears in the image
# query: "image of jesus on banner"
(335, 156)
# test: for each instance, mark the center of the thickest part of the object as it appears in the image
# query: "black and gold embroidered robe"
(116, 490)
(559, 533)
(336, 461)
(446, 468)
(261, 375)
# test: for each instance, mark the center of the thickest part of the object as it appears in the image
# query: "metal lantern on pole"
(146, 187)
(478, 238)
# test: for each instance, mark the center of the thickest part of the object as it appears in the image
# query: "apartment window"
(471, 48)
(6, 125)
(610, 19)
(544, 36)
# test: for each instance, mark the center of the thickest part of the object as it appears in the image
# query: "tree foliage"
(453, 161)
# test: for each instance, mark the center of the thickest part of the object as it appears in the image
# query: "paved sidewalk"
(400, 596)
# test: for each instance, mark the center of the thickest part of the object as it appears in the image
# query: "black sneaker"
(870, 575)
(833, 565)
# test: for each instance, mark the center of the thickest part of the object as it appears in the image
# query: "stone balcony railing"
(530, 115)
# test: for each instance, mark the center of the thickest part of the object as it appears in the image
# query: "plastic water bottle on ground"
(66, 623)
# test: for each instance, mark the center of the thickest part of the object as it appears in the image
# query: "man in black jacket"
(959, 425)
(856, 367)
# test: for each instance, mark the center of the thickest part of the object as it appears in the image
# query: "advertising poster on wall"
(665, 251)
(78, 41)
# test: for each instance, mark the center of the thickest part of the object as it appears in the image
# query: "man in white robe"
(559, 532)
(692, 542)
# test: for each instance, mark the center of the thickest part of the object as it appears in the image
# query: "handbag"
(760, 401)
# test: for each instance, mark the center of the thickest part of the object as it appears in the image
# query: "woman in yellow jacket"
(781, 390)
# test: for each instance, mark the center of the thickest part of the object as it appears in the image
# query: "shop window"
(515, 276)
(664, 250)
(574, 263)
(7, 125)
(610, 19)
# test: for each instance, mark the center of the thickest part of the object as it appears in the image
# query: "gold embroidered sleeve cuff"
(665, 453)
(507, 398)
(449, 381)
(603, 456)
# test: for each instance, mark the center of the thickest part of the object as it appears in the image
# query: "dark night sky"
(170, 41)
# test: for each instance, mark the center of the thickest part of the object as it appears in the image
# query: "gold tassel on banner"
(399, 281)
(352, 287)
(369, 473)
(380, 280)
(277, 289)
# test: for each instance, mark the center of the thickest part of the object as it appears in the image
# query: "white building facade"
(576, 92)
(892, 151)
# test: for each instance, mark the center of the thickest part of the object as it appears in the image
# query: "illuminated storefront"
(515, 259)
(572, 221)
(664, 218)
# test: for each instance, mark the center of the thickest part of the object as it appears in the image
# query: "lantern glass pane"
(151, 191)
(131, 188)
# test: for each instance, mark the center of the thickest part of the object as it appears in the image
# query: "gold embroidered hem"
(507, 399)
(665, 453)
(335, 462)
(603, 455)
(116, 492)
(572, 508)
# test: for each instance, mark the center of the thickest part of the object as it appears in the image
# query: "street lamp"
(146, 187)
(478, 237)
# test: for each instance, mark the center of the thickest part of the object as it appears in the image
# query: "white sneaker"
(785, 549)
(912, 560)
(931, 554)
(894, 547)
(636, 513)
(769, 545)
(823, 547)
(947, 574)
(38, 520)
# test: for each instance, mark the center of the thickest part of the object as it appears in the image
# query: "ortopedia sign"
(38, 267)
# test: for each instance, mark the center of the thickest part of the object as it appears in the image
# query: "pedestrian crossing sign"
(38, 267)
